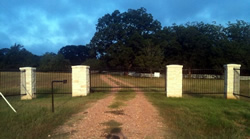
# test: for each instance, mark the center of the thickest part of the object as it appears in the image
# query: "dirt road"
(138, 119)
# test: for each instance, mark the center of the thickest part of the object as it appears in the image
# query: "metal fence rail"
(10, 82)
(44, 80)
(203, 81)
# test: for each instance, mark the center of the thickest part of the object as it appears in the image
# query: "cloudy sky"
(47, 25)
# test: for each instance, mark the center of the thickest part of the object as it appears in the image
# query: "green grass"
(204, 117)
(34, 118)
(121, 97)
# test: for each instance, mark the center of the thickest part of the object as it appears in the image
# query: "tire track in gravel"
(89, 122)
(139, 119)
(144, 121)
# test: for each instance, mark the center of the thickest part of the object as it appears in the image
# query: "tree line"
(135, 39)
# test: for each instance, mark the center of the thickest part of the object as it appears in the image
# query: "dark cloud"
(48, 25)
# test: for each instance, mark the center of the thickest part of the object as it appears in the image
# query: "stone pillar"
(28, 83)
(174, 81)
(80, 81)
(232, 81)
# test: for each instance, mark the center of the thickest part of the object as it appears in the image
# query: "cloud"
(48, 25)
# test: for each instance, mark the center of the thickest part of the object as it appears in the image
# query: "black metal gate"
(242, 87)
(101, 79)
(203, 81)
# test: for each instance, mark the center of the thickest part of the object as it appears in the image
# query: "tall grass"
(34, 118)
(204, 117)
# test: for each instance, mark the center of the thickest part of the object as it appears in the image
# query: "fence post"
(232, 80)
(80, 81)
(28, 83)
(174, 80)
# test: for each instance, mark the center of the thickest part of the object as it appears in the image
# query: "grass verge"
(204, 117)
(34, 118)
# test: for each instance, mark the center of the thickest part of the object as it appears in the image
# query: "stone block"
(232, 81)
(174, 81)
(80, 81)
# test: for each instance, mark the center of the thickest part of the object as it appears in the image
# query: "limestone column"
(174, 80)
(28, 82)
(80, 81)
(232, 81)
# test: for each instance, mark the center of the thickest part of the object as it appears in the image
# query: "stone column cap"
(80, 66)
(174, 66)
(232, 65)
(27, 68)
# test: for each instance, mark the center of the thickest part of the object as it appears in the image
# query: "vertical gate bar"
(165, 79)
(90, 79)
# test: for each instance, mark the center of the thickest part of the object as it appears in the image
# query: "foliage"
(94, 63)
(16, 56)
(115, 35)
(125, 39)
(75, 54)
(53, 62)
(150, 56)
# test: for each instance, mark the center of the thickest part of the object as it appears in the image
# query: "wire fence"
(10, 82)
(44, 82)
(203, 81)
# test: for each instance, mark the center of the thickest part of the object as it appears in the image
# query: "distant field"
(44, 79)
(10, 83)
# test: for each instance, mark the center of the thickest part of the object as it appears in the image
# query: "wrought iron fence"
(203, 81)
(44, 80)
(10, 82)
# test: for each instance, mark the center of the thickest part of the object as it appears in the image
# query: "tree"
(237, 46)
(95, 64)
(17, 56)
(150, 56)
(53, 62)
(114, 38)
(75, 54)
